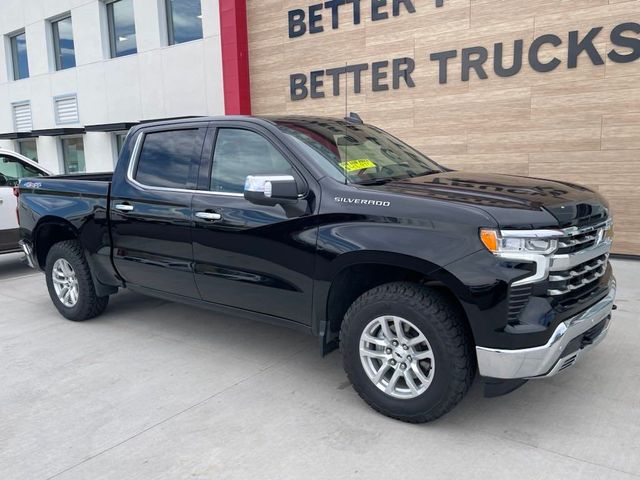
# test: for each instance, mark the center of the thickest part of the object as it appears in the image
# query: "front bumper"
(549, 359)
(27, 249)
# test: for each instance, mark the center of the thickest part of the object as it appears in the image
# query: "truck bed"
(76, 198)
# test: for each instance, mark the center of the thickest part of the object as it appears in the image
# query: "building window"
(63, 47)
(122, 28)
(184, 20)
(19, 58)
(120, 141)
(73, 154)
(28, 148)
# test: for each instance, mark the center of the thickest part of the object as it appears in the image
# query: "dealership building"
(543, 88)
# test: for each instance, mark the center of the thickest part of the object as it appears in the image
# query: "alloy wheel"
(65, 283)
(397, 357)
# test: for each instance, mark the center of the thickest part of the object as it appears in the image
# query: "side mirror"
(270, 189)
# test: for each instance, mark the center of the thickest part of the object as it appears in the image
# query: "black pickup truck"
(423, 276)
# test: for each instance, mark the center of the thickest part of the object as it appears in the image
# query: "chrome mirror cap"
(264, 183)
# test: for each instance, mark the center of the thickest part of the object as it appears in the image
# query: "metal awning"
(57, 132)
(17, 135)
(111, 127)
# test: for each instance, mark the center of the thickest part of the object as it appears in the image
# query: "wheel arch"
(354, 273)
(49, 231)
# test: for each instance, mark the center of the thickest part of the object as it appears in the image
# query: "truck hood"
(506, 196)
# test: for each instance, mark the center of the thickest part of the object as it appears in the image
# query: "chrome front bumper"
(32, 261)
(547, 360)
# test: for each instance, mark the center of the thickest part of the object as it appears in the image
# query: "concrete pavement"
(157, 390)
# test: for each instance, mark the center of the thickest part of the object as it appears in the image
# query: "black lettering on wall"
(297, 25)
(314, 17)
(376, 14)
(335, 78)
(315, 83)
(535, 62)
(402, 69)
(356, 11)
(298, 86)
(357, 75)
(481, 55)
(585, 45)
(390, 74)
(498, 59)
(443, 58)
(620, 40)
(408, 4)
(377, 75)
(334, 5)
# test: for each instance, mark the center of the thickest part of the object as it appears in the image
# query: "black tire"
(442, 322)
(88, 305)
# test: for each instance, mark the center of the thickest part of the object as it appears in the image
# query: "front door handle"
(210, 216)
(124, 207)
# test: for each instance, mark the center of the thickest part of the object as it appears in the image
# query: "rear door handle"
(124, 207)
(210, 216)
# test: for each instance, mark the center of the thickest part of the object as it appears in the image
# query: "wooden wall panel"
(580, 125)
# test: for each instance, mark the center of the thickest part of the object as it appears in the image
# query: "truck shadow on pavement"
(281, 348)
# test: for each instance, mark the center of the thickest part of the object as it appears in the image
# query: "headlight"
(541, 242)
(606, 234)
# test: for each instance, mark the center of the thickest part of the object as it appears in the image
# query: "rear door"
(151, 209)
(11, 170)
(253, 257)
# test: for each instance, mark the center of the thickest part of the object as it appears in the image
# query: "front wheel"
(70, 284)
(406, 351)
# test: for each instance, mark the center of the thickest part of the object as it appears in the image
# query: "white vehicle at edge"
(13, 166)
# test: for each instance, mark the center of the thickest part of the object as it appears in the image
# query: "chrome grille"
(581, 259)
(581, 276)
(577, 242)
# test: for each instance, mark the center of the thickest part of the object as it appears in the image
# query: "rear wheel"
(70, 284)
(406, 351)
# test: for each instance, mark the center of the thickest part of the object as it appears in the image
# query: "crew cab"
(13, 166)
(423, 276)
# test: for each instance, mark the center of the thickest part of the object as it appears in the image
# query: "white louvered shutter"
(66, 110)
(22, 117)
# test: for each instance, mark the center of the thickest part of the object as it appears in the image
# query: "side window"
(168, 157)
(12, 170)
(239, 153)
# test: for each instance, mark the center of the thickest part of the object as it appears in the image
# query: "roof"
(270, 119)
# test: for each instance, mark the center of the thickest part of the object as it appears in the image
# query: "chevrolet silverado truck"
(424, 277)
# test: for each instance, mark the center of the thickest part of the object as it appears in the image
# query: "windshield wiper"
(376, 181)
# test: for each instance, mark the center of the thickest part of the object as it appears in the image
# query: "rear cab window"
(169, 158)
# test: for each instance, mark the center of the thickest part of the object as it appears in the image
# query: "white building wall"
(160, 81)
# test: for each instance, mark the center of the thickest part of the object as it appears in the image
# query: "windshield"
(362, 153)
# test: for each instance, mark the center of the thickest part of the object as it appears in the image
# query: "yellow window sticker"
(355, 165)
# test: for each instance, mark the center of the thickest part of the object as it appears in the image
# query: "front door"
(151, 210)
(257, 258)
